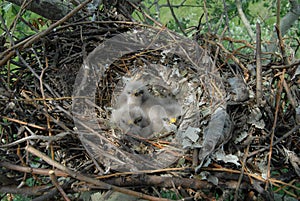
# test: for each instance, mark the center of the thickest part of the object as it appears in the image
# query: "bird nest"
(169, 66)
(41, 106)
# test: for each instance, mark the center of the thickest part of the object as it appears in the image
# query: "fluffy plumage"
(135, 93)
(130, 120)
(138, 112)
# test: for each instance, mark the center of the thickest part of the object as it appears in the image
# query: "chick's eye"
(137, 120)
(165, 119)
(139, 93)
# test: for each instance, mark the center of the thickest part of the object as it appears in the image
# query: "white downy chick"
(130, 120)
(134, 94)
(164, 115)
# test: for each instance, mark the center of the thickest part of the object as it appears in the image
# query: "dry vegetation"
(38, 135)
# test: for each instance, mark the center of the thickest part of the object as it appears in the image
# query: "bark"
(50, 9)
(244, 19)
(291, 17)
(286, 23)
(57, 9)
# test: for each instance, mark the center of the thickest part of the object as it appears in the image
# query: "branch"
(258, 66)
(289, 19)
(244, 19)
(175, 18)
(285, 24)
(50, 9)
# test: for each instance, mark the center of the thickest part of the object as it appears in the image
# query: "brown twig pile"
(42, 155)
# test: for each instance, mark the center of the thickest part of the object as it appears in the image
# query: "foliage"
(15, 197)
(64, 50)
(170, 195)
(189, 13)
(20, 29)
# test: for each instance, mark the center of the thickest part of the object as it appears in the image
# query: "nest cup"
(163, 60)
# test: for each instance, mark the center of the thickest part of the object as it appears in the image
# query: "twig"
(278, 96)
(297, 127)
(235, 59)
(7, 57)
(258, 66)
(278, 101)
(282, 47)
(28, 41)
(252, 175)
(40, 171)
(148, 16)
(81, 177)
(278, 13)
(227, 27)
(175, 18)
(24, 190)
(37, 137)
(286, 62)
(56, 24)
(145, 172)
(50, 195)
(296, 63)
(243, 169)
(244, 19)
(45, 110)
(289, 94)
(206, 16)
(22, 122)
(218, 49)
(246, 43)
(56, 184)
(195, 157)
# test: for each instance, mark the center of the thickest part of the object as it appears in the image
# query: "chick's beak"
(130, 122)
(173, 120)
